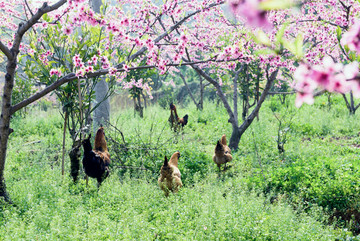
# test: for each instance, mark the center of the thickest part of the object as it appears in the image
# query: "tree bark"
(63, 147)
(5, 123)
(235, 97)
(235, 138)
(246, 99)
(144, 98)
(102, 112)
(139, 107)
(202, 87)
(235, 134)
(351, 105)
(75, 160)
(3, 192)
(6, 111)
(352, 111)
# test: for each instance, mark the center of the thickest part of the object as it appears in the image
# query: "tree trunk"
(247, 122)
(95, 5)
(140, 108)
(245, 90)
(144, 98)
(102, 112)
(7, 110)
(352, 111)
(75, 154)
(3, 193)
(5, 129)
(63, 147)
(351, 106)
(202, 87)
(245, 107)
(235, 137)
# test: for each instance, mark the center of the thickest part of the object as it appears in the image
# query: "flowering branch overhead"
(72, 76)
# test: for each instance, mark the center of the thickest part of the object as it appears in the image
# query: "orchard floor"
(265, 195)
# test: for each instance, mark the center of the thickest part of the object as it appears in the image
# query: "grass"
(287, 197)
(134, 209)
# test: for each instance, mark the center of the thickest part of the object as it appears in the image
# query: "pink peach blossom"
(352, 38)
(303, 97)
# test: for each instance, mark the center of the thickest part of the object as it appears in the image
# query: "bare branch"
(218, 88)
(320, 92)
(281, 93)
(41, 11)
(188, 89)
(251, 117)
(131, 51)
(42, 93)
(319, 20)
(27, 5)
(122, 135)
(356, 107)
(173, 20)
(5, 50)
(346, 101)
(62, 15)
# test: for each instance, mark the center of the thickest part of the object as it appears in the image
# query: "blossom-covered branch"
(72, 76)
(23, 27)
(171, 29)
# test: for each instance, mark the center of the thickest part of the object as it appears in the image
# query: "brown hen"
(222, 153)
(170, 176)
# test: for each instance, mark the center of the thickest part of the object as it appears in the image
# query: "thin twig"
(122, 135)
(258, 156)
(130, 167)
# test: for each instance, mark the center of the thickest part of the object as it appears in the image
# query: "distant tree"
(137, 82)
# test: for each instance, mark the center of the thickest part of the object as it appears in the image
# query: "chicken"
(172, 119)
(222, 153)
(170, 176)
(96, 162)
(175, 121)
(100, 144)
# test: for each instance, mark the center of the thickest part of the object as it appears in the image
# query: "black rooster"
(95, 163)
